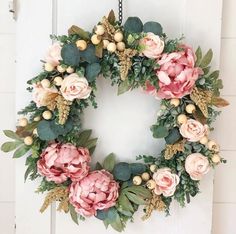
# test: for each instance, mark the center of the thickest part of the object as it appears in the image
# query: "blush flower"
(97, 191)
(166, 182)
(54, 54)
(197, 165)
(152, 46)
(75, 87)
(58, 162)
(193, 130)
(177, 74)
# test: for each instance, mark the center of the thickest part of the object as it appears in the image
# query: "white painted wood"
(33, 28)
(7, 216)
(125, 130)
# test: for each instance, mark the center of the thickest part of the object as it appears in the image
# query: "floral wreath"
(59, 151)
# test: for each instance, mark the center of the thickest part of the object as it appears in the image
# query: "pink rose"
(75, 87)
(59, 162)
(152, 46)
(54, 54)
(193, 130)
(196, 165)
(97, 191)
(43, 96)
(177, 74)
(166, 182)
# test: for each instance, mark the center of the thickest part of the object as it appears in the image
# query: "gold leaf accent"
(125, 61)
(50, 101)
(109, 28)
(171, 150)
(63, 107)
(201, 98)
(155, 203)
(219, 102)
(60, 194)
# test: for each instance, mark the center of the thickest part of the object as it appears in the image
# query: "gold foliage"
(63, 107)
(59, 194)
(155, 203)
(219, 102)
(171, 150)
(50, 101)
(201, 98)
(109, 28)
(125, 61)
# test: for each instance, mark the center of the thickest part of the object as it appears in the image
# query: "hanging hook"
(120, 8)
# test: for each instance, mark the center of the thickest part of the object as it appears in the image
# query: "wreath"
(58, 150)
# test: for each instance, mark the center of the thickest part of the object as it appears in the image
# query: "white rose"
(53, 54)
(75, 87)
(152, 45)
(197, 165)
(166, 182)
(193, 130)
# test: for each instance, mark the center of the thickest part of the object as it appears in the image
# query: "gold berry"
(212, 145)
(45, 83)
(69, 69)
(216, 158)
(151, 184)
(81, 44)
(61, 68)
(58, 80)
(118, 37)
(111, 47)
(47, 115)
(23, 122)
(175, 102)
(28, 140)
(37, 118)
(145, 176)
(182, 119)
(137, 180)
(120, 46)
(105, 43)
(190, 108)
(35, 132)
(153, 168)
(204, 140)
(95, 39)
(99, 30)
(48, 67)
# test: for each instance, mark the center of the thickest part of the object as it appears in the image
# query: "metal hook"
(120, 10)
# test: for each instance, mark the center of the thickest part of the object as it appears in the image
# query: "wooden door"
(121, 123)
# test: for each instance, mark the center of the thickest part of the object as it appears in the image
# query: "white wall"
(7, 118)
(225, 176)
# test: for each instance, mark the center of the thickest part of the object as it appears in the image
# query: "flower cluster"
(59, 150)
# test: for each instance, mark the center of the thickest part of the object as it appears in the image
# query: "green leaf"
(153, 27)
(112, 214)
(84, 137)
(79, 31)
(207, 59)
(92, 71)
(198, 55)
(73, 214)
(214, 75)
(117, 224)
(21, 151)
(12, 135)
(101, 214)
(133, 25)
(122, 171)
(138, 190)
(70, 54)
(89, 55)
(137, 168)
(124, 87)
(91, 143)
(98, 166)
(10, 146)
(109, 162)
(124, 203)
(159, 131)
(173, 137)
(136, 199)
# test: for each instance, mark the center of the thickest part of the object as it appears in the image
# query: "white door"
(130, 115)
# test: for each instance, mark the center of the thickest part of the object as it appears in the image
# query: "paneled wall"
(7, 117)
(225, 177)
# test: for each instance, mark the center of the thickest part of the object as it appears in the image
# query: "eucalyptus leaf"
(153, 27)
(109, 162)
(89, 55)
(122, 171)
(173, 136)
(70, 54)
(10, 146)
(159, 131)
(22, 150)
(102, 214)
(137, 168)
(92, 71)
(133, 25)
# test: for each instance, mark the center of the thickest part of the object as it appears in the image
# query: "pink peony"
(196, 166)
(97, 191)
(193, 130)
(59, 162)
(152, 46)
(42, 96)
(54, 54)
(166, 182)
(75, 87)
(177, 74)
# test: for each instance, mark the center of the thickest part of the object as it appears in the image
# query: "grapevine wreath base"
(58, 150)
